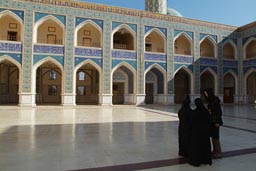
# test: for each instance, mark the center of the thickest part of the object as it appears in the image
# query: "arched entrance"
(229, 88)
(154, 86)
(251, 84)
(182, 84)
(9, 83)
(87, 85)
(48, 84)
(123, 86)
(207, 80)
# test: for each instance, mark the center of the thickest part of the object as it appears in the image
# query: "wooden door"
(149, 99)
(228, 95)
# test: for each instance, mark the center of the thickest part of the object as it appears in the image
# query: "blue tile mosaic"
(228, 69)
(132, 26)
(163, 30)
(10, 47)
(20, 14)
(37, 58)
(50, 49)
(132, 63)
(149, 64)
(61, 18)
(226, 39)
(203, 68)
(190, 34)
(250, 62)
(245, 39)
(214, 37)
(230, 63)
(183, 59)
(178, 66)
(155, 57)
(79, 60)
(88, 52)
(207, 61)
(80, 20)
(124, 54)
(246, 69)
(17, 57)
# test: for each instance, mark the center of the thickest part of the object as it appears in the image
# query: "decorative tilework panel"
(80, 20)
(118, 76)
(10, 47)
(207, 61)
(150, 76)
(20, 14)
(163, 30)
(202, 68)
(38, 16)
(247, 38)
(225, 39)
(132, 26)
(37, 58)
(202, 36)
(230, 63)
(78, 60)
(178, 66)
(148, 64)
(227, 69)
(190, 34)
(246, 69)
(88, 52)
(17, 57)
(155, 57)
(50, 49)
(251, 62)
(124, 54)
(116, 62)
(183, 59)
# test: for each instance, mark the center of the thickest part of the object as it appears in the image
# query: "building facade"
(66, 53)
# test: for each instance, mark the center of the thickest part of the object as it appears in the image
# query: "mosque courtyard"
(56, 138)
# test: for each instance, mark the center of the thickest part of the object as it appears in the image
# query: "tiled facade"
(70, 15)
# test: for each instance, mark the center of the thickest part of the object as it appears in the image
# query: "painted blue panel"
(202, 68)
(227, 69)
(38, 16)
(163, 30)
(17, 57)
(20, 14)
(132, 26)
(37, 58)
(178, 66)
(230, 63)
(78, 60)
(10, 47)
(148, 64)
(48, 49)
(250, 62)
(183, 59)
(206, 61)
(202, 36)
(88, 52)
(115, 62)
(124, 54)
(155, 57)
(98, 22)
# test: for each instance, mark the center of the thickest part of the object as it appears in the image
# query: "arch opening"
(229, 88)
(182, 46)
(154, 42)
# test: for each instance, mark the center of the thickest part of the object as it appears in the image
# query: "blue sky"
(230, 12)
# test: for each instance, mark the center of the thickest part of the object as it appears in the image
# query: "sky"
(229, 12)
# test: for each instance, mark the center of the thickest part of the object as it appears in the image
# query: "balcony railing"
(94, 44)
(52, 42)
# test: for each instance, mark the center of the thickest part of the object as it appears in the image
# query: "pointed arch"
(162, 71)
(129, 29)
(42, 20)
(212, 41)
(41, 62)
(211, 71)
(17, 18)
(233, 45)
(84, 23)
(87, 61)
(157, 46)
(235, 79)
(246, 75)
(191, 75)
(188, 51)
(245, 46)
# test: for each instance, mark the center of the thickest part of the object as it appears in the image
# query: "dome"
(173, 12)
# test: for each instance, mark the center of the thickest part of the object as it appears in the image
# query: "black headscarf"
(186, 101)
(210, 94)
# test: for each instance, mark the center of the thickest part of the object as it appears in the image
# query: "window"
(81, 75)
(12, 36)
(52, 75)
